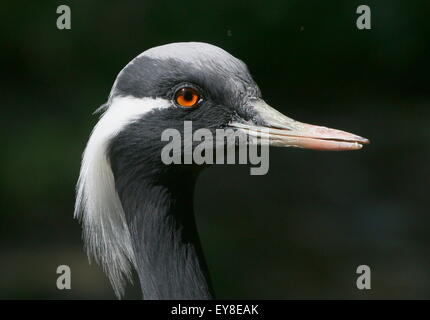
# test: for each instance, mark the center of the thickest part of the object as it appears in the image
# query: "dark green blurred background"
(298, 232)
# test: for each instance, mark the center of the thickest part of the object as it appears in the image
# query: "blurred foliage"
(298, 232)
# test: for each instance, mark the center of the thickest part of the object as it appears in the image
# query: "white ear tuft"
(98, 207)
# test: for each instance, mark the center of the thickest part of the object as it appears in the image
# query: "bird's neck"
(169, 258)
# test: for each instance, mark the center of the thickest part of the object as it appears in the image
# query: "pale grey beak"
(286, 132)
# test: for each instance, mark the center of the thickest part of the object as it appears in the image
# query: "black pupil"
(188, 95)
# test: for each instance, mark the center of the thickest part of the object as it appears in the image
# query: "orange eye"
(187, 97)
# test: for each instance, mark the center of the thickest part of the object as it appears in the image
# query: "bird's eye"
(187, 97)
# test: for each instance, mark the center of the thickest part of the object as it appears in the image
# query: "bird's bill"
(283, 131)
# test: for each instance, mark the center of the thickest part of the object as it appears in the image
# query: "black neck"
(160, 216)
